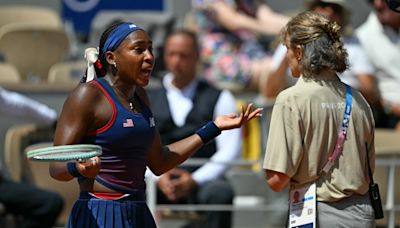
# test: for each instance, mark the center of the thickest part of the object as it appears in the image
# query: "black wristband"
(71, 167)
(208, 132)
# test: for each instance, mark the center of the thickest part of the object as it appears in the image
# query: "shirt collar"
(187, 91)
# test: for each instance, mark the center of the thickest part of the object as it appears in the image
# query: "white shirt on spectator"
(358, 62)
(382, 45)
(13, 103)
(228, 144)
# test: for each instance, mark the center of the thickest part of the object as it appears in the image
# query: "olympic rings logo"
(81, 6)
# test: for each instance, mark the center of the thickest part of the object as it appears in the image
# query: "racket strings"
(65, 152)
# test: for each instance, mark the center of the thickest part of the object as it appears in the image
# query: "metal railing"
(389, 205)
(151, 190)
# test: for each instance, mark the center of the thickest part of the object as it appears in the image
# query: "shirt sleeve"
(278, 57)
(359, 61)
(228, 144)
(284, 145)
(13, 103)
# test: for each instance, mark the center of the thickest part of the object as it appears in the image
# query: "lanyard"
(342, 133)
(347, 111)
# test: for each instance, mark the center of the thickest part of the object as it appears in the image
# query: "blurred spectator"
(379, 36)
(15, 104)
(32, 207)
(231, 53)
(394, 5)
(360, 72)
(183, 104)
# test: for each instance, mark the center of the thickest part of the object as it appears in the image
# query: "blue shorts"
(128, 212)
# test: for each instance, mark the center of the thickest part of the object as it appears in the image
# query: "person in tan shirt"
(305, 122)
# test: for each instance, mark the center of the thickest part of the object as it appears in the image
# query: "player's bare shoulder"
(85, 92)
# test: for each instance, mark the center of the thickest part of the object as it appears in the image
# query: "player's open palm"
(233, 120)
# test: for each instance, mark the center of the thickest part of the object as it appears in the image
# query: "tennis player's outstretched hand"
(233, 120)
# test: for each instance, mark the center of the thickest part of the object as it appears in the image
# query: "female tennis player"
(113, 111)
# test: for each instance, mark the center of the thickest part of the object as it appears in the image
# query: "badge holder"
(302, 207)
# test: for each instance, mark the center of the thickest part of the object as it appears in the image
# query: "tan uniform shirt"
(304, 126)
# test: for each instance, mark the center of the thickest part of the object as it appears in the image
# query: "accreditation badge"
(302, 207)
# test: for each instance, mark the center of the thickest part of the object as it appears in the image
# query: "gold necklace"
(129, 100)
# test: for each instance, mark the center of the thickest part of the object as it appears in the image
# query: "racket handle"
(71, 167)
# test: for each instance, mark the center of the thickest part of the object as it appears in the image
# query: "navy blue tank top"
(125, 140)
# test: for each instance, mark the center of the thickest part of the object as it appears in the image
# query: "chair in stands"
(33, 48)
(29, 13)
(22, 138)
(16, 138)
(40, 177)
(9, 73)
(67, 72)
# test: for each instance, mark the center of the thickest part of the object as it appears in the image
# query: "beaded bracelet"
(208, 132)
(71, 167)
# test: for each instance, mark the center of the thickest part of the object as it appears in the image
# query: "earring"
(115, 64)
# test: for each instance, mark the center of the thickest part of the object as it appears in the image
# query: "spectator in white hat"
(360, 72)
(379, 35)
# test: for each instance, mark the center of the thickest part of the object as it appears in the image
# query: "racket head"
(78, 152)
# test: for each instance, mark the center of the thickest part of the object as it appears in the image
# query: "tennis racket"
(79, 152)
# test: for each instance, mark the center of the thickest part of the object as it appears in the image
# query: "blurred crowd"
(234, 49)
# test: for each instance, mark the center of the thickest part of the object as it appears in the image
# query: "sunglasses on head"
(394, 5)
